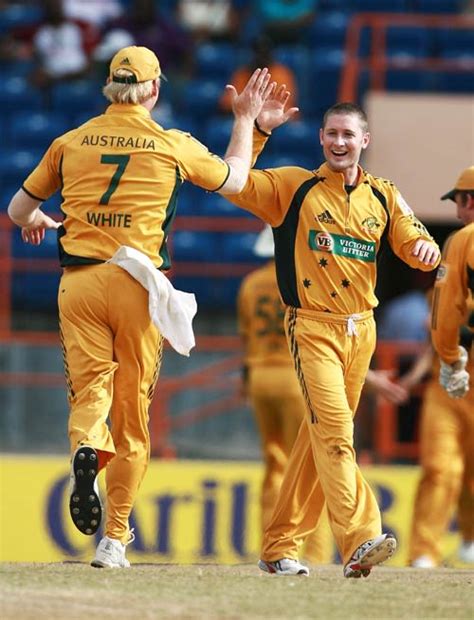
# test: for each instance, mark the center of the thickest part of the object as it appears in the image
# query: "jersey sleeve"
(265, 194)
(45, 179)
(405, 230)
(199, 166)
(450, 297)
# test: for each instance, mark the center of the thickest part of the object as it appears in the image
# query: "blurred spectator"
(286, 21)
(58, 47)
(214, 20)
(95, 12)
(262, 57)
(148, 27)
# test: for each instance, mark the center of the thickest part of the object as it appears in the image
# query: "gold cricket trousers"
(112, 355)
(331, 361)
(447, 470)
(279, 408)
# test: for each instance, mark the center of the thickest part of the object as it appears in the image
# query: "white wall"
(421, 143)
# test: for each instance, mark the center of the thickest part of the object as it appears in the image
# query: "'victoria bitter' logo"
(324, 242)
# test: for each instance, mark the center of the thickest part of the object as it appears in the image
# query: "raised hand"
(250, 101)
(273, 113)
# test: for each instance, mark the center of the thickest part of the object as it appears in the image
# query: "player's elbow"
(238, 175)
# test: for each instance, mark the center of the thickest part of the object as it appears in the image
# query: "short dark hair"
(464, 193)
(347, 108)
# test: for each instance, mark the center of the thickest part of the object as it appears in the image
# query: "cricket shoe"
(369, 554)
(110, 553)
(285, 566)
(84, 503)
(423, 561)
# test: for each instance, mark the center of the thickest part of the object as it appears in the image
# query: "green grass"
(72, 591)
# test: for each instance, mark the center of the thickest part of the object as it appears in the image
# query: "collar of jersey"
(127, 108)
(337, 178)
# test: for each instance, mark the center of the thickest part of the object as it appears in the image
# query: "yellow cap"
(141, 61)
(464, 183)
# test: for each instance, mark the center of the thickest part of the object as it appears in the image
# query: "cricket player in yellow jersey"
(119, 176)
(328, 226)
(270, 382)
(447, 427)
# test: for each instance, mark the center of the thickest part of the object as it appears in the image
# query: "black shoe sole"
(84, 504)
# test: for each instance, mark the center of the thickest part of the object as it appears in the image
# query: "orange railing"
(377, 63)
(219, 379)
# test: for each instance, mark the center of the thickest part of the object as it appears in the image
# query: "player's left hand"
(273, 113)
(426, 251)
(34, 233)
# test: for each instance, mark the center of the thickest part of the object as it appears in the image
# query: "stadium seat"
(238, 246)
(216, 61)
(454, 82)
(36, 130)
(329, 30)
(19, 15)
(408, 42)
(298, 137)
(215, 205)
(16, 165)
(217, 133)
(200, 98)
(400, 80)
(78, 97)
(17, 94)
(48, 248)
(17, 68)
(195, 246)
(454, 43)
(439, 6)
(382, 6)
(324, 77)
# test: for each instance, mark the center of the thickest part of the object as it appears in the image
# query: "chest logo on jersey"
(371, 223)
(340, 245)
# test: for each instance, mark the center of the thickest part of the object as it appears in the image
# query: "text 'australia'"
(133, 142)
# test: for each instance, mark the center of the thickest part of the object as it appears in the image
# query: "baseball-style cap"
(141, 61)
(264, 245)
(464, 183)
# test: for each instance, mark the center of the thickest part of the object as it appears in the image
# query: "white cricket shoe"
(423, 561)
(466, 551)
(369, 554)
(285, 566)
(110, 553)
(85, 507)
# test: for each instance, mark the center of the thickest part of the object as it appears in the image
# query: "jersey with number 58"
(119, 176)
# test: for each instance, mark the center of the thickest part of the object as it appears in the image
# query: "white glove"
(453, 377)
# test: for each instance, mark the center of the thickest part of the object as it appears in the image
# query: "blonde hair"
(117, 92)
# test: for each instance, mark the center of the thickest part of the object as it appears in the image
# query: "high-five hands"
(250, 101)
(273, 113)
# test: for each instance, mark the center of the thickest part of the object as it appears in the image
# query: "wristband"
(260, 130)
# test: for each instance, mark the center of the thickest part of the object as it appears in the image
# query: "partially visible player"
(119, 176)
(271, 384)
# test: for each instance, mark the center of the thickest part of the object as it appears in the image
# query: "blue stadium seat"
(17, 94)
(409, 42)
(77, 97)
(17, 68)
(200, 98)
(455, 43)
(36, 130)
(400, 80)
(383, 6)
(16, 165)
(324, 78)
(329, 29)
(439, 6)
(216, 61)
(217, 133)
(296, 138)
(215, 205)
(196, 246)
(238, 246)
(454, 82)
(35, 291)
(18, 15)
(48, 248)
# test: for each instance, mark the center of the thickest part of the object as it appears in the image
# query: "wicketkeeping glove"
(453, 377)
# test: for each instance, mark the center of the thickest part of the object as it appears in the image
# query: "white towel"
(170, 310)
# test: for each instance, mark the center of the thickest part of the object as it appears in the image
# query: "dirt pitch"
(70, 591)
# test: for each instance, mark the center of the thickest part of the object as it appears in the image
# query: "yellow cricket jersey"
(327, 238)
(453, 293)
(119, 176)
(260, 314)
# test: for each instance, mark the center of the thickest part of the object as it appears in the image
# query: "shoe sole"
(98, 564)
(378, 554)
(268, 567)
(84, 504)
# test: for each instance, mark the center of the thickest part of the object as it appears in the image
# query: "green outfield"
(161, 591)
